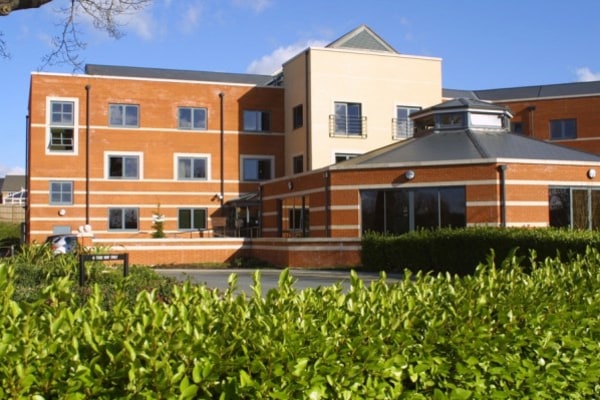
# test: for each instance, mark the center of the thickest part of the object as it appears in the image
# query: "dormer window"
(480, 120)
(459, 114)
(451, 120)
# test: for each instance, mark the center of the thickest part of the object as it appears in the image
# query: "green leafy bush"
(499, 333)
(459, 251)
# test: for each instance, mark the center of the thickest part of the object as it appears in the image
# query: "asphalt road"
(218, 278)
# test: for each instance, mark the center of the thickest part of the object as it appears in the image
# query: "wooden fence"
(12, 213)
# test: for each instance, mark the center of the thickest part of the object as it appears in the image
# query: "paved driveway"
(217, 278)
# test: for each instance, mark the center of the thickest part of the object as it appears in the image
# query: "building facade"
(180, 166)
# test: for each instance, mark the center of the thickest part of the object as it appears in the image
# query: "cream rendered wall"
(294, 72)
(379, 81)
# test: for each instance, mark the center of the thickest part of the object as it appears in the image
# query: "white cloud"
(192, 18)
(6, 170)
(257, 5)
(270, 63)
(141, 22)
(584, 74)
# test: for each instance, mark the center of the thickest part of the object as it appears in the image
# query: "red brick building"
(293, 168)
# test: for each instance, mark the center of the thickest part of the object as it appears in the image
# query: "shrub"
(499, 333)
(459, 251)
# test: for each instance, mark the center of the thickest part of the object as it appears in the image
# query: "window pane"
(251, 121)
(580, 209)
(62, 113)
(453, 207)
(131, 218)
(185, 118)
(595, 209)
(560, 207)
(131, 115)
(265, 122)
(397, 212)
(115, 219)
(426, 208)
(250, 169)
(264, 169)
(131, 167)
(199, 218)
(184, 168)
(185, 219)
(340, 118)
(61, 139)
(115, 167)
(563, 129)
(115, 114)
(199, 118)
(372, 204)
(199, 168)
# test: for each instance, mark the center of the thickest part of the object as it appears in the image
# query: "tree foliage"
(67, 43)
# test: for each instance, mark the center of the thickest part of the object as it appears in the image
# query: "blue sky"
(484, 44)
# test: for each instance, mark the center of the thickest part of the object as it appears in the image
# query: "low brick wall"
(177, 251)
(308, 252)
(280, 252)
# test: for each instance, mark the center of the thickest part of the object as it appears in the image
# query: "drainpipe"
(25, 226)
(221, 198)
(308, 112)
(502, 170)
(531, 110)
(88, 88)
(327, 201)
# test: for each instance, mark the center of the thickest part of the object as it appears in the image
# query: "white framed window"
(124, 115)
(257, 168)
(61, 134)
(61, 192)
(123, 165)
(192, 118)
(348, 119)
(192, 166)
(123, 219)
(403, 125)
(257, 121)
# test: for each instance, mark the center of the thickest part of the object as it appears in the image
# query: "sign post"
(102, 257)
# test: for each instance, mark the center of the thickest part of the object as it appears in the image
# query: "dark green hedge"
(461, 250)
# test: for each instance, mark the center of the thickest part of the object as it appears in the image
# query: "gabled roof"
(13, 183)
(529, 92)
(175, 74)
(467, 146)
(362, 38)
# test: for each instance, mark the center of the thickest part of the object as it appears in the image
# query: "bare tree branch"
(7, 6)
(67, 44)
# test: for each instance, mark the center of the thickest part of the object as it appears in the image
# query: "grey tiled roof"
(175, 74)
(13, 183)
(528, 92)
(467, 146)
(362, 38)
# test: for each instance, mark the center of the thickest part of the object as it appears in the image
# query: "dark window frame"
(256, 121)
(192, 160)
(194, 112)
(119, 220)
(191, 223)
(121, 120)
(563, 129)
(60, 193)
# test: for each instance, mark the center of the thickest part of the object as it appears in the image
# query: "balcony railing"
(402, 128)
(347, 126)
